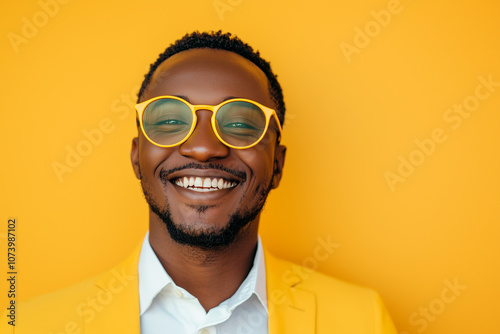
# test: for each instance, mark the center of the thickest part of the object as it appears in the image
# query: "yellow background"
(348, 123)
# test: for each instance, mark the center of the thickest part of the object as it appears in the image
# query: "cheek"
(260, 160)
(151, 156)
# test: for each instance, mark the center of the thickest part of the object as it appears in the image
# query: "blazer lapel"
(291, 310)
(116, 306)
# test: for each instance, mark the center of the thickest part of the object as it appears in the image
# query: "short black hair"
(218, 40)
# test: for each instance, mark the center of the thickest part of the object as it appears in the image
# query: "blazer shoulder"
(293, 274)
(340, 306)
(72, 309)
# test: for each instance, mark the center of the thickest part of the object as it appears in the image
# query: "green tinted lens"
(167, 121)
(240, 123)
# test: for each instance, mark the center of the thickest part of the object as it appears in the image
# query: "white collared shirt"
(167, 308)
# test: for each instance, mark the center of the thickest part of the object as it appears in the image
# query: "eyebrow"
(184, 97)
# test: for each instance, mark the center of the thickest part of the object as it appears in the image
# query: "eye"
(167, 126)
(170, 122)
(239, 125)
(240, 121)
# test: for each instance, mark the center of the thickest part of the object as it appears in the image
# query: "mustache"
(164, 173)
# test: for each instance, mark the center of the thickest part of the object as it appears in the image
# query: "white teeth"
(198, 182)
(207, 183)
(204, 184)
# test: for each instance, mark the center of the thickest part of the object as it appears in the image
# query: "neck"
(210, 275)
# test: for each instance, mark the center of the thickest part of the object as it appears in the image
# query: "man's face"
(216, 217)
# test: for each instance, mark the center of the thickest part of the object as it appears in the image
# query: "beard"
(210, 238)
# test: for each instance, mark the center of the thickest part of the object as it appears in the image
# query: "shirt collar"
(153, 278)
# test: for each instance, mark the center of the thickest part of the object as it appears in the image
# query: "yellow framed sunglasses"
(168, 121)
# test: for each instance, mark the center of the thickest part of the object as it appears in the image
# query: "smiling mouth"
(204, 184)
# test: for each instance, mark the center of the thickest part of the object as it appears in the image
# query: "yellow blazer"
(300, 301)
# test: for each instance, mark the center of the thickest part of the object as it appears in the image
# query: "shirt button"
(179, 293)
(205, 331)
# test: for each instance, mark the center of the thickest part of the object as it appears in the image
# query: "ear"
(134, 157)
(279, 162)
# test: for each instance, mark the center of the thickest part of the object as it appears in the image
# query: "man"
(210, 114)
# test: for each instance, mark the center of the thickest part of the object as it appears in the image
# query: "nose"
(203, 145)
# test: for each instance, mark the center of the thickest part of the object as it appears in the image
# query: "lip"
(202, 198)
(205, 197)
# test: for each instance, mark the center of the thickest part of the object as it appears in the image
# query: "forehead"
(208, 76)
